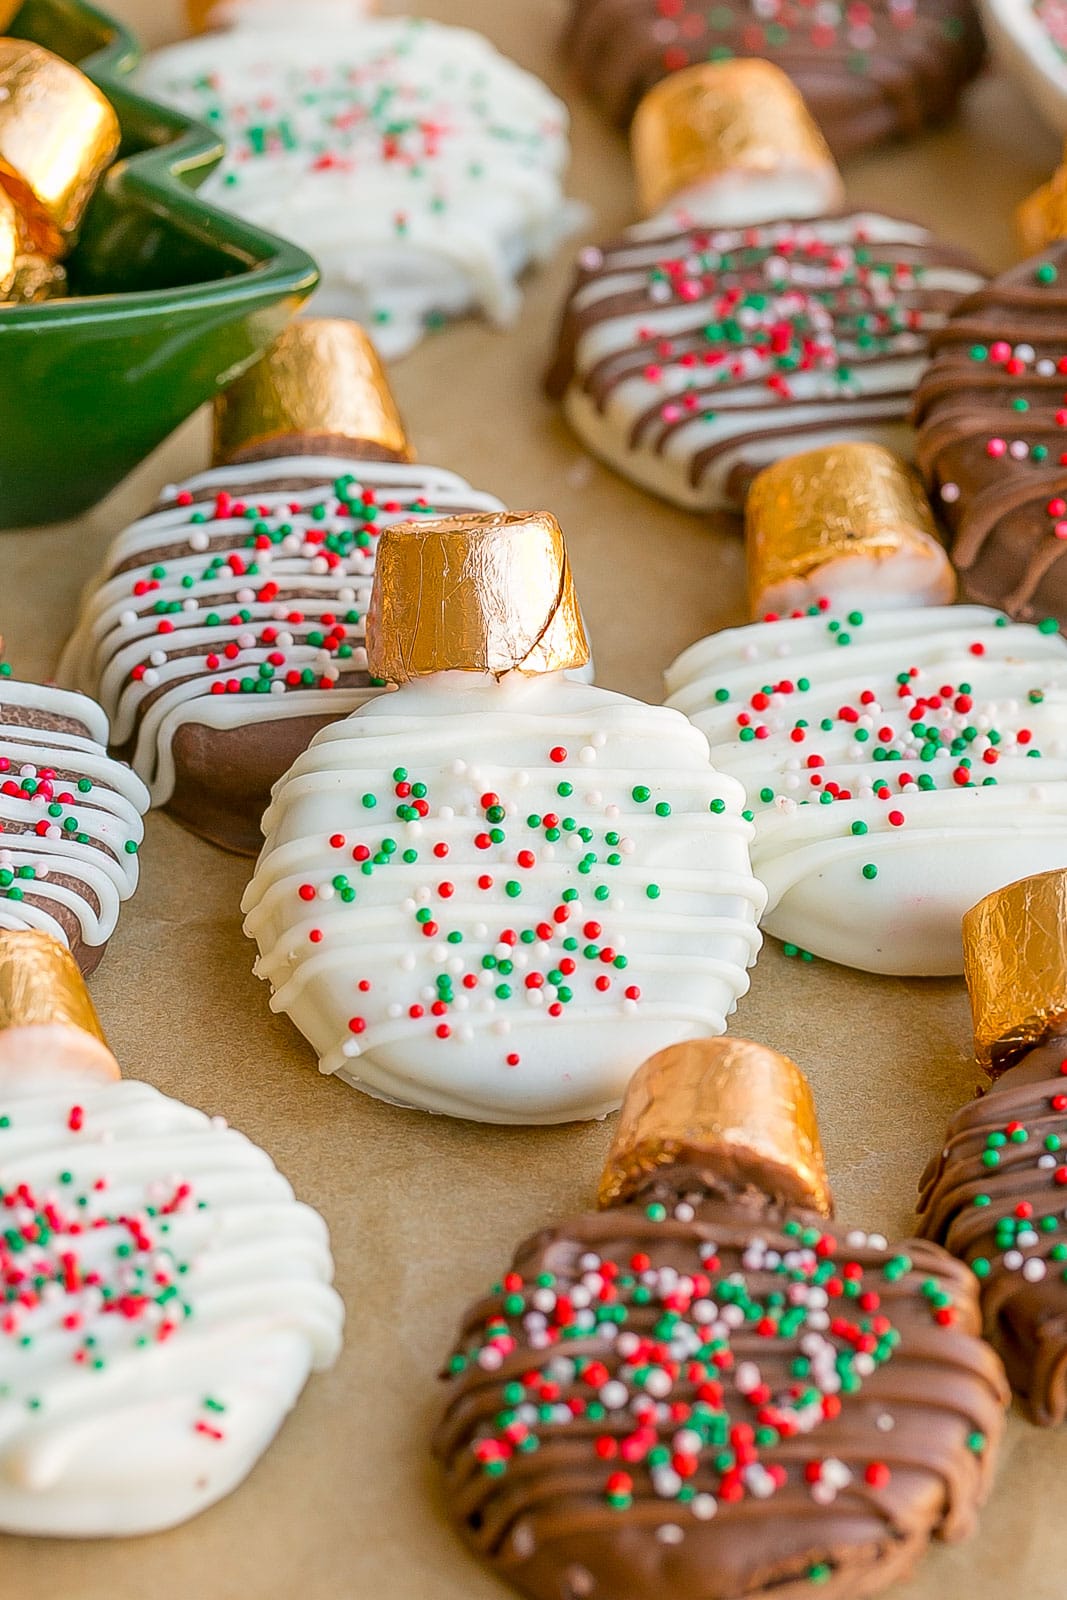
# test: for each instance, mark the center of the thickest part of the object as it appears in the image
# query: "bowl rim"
(166, 178)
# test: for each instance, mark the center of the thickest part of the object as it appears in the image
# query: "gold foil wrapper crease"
(1015, 963)
(829, 505)
(9, 9)
(58, 134)
(40, 984)
(487, 593)
(727, 1105)
(720, 117)
(322, 378)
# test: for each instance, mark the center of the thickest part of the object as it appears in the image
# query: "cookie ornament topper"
(703, 1389)
(996, 1193)
(228, 627)
(493, 891)
(751, 314)
(165, 1297)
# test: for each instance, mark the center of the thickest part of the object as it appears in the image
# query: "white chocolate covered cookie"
(899, 767)
(494, 898)
(420, 168)
(691, 355)
(166, 1301)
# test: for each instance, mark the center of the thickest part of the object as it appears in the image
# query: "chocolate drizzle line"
(818, 296)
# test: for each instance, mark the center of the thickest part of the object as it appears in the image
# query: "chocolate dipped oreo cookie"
(996, 1192)
(869, 73)
(991, 413)
(227, 627)
(751, 316)
(704, 1389)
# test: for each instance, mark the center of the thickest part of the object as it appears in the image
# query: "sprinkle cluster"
(772, 303)
(924, 732)
(523, 949)
(846, 28)
(101, 1276)
(679, 1391)
(275, 628)
(1023, 1230)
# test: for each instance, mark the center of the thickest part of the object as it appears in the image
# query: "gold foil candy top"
(1041, 219)
(47, 1020)
(825, 505)
(1015, 963)
(482, 593)
(719, 117)
(736, 1108)
(321, 380)
(58, 134)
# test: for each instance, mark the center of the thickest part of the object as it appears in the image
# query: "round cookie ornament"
(703, 1388)
(994, 1195)
(492, 892)
(70, 819)
(751, 316)
(422, 169)
(870, 73)
(228, 627)
(991, 413)
(167, 1296)
(897, 764)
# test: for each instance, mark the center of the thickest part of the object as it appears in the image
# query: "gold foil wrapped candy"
(58, 134)
(321, 388)
(46, 1015)
(1042, 217)
(850, 523)
(1015, 963)
(485, 593)
(727, 120)
(738, 1108)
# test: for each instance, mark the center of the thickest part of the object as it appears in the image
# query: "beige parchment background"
(424, 1212)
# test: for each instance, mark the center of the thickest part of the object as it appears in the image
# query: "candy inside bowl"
(168, 297)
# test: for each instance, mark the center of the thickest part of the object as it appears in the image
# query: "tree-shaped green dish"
(169, 297)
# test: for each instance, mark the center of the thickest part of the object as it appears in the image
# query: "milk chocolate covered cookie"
(703, 1389)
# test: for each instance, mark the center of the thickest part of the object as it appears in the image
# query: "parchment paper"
(424, 1212)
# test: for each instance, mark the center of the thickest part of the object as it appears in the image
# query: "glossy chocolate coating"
(995, 1197)
(991, 412)
(726, 1401)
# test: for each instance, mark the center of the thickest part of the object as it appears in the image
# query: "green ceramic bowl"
(170, 298)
